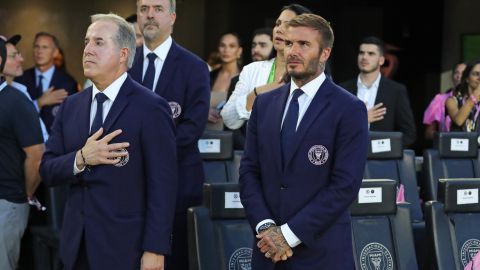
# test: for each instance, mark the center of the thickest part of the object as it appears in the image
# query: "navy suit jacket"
(60, 80)
(184, 82)
(122, 211)
(399, 116)
(312, 192)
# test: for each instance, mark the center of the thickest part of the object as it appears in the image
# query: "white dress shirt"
(368, 94)
(310, 90)
(111, 92)
(255, 74)
(161, 52)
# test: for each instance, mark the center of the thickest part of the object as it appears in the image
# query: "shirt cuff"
(240, 108)
(291, 238)
(76, 170)
(263, 222)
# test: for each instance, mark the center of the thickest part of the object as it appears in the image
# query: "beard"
(151, 33)
(311, 69)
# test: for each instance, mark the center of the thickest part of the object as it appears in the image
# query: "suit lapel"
(31, 83)
(137, 67)
(319, 102)
(83, 115)
(279, 100)
(118, 105)
(380, 92)
(168, 69)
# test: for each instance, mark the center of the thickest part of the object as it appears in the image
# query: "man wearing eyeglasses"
(21, 145)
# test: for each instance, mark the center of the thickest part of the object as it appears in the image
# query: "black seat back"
(454, 223)
(388, 160)
(216, 149)
(220, 237)
(382, 233)
(455, 156)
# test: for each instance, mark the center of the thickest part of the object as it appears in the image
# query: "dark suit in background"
(399, 116)
(60, 80)
(121, 211)
(184, 83)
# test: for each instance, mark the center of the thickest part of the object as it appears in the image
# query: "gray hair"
(125, 36)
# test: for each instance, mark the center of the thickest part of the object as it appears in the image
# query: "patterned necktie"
(150, 74)
(289, 126)
(98, 119)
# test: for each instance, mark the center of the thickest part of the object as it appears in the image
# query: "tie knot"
(100, 97)
(297, 93)
(40, 76)
(151, 57)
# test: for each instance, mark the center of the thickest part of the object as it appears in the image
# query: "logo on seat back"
(469, 250)
(241, 259)
(376, 256)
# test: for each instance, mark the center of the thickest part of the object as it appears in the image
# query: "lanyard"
(271, 76)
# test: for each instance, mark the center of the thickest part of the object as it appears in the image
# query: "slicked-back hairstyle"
(375, 41)
(173, 5)
(297, 9)
(46, 34)
(3, 54)
(125, 36)
(263, 31)
(317, 23)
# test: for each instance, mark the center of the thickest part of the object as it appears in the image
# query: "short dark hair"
(46, 34)
(375, 41)
(263, 31)
(316, 22)
(3, 54)
(298, 9)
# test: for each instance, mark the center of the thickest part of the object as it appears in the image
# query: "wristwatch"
(265, 226)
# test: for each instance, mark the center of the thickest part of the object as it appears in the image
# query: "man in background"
(47, 85)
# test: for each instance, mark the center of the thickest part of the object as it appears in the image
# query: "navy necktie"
(39, 85)
(150, 74)
(289, 126)
(98, 119)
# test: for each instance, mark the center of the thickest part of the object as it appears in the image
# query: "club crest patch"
(176, 109)
(241, 259)
(123, 160)
(55, 110)
(318, 154)
(469, 250)
(376, 256)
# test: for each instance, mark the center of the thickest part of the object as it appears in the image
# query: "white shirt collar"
(374, 85)
(47, 74)
(161, 51)
(112, 90)
(311, 87)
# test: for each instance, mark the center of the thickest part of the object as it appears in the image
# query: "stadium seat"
(219, 235)
(455, 155)
(381, 230)
(454, 222)
(216, 149)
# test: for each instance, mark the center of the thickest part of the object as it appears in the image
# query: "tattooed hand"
(273, 244)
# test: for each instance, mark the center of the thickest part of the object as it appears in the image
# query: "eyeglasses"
(15, 54)
(475, 73)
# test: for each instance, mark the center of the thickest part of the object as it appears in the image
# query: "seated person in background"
(230, 49)
(463, 106)
(262, 76)
(435, 117)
